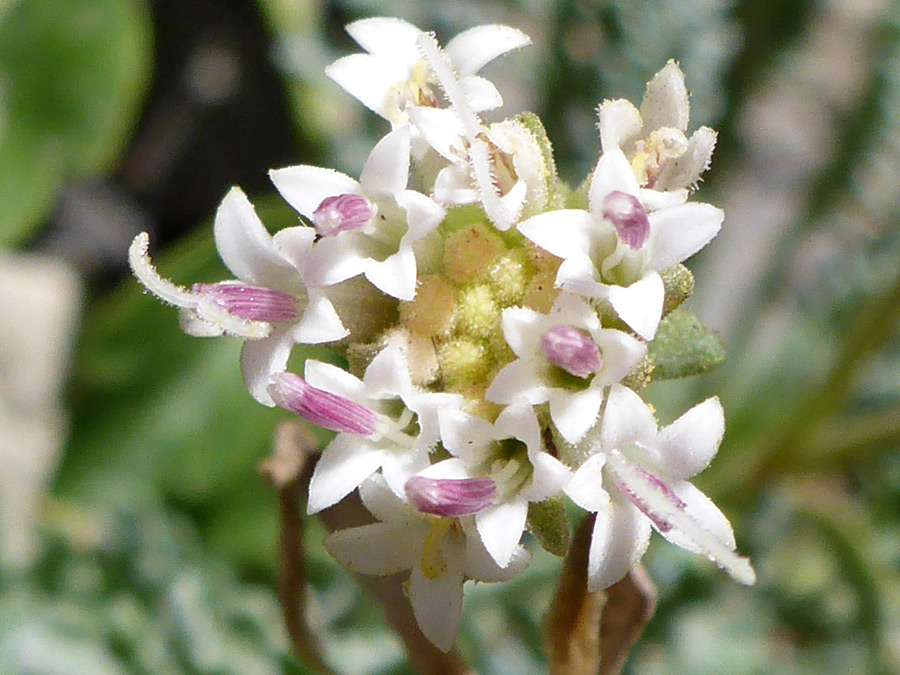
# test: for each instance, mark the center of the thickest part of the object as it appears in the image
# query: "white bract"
(441, 554)
(274, 304)
(637, 478)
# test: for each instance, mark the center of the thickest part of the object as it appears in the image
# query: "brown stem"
(630, 604)
(572, 626)
(289, 470)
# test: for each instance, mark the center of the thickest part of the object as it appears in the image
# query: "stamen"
(341, 213)
(627, 215)
(572, 350)
(322, 408)
(250, 302)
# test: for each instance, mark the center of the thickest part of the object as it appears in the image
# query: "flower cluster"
(495, 323)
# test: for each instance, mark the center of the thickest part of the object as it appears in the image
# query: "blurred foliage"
(159, 538)
(72, 76)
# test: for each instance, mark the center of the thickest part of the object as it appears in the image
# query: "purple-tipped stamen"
(341, 213)
(250, 302)
(322, 408)
(451, 497)
(572, 350)
(627, 215)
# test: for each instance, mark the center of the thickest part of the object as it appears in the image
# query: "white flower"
(274, 304)
(369, 226)
(383, 422)
(564, 358)
(654, 138)
(393, 77)
(615, 250)
(637, 478)
(511, 453)
(441, 554)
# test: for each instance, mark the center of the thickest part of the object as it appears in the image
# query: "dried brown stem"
(630, 604)
(288, 470)
(572, 626)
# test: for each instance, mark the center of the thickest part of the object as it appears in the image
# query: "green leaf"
(548, 522)
(72, 75)
(684, 346)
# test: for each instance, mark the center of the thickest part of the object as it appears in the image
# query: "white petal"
(294, 245)
(501, 528)
(678, 233)
(338, 381)
(388, 373)
(518, 379)
(304, 187)
(579, 275)
(702, 510)
(626, 420)
(522, 328)
(482, 567)
(688, 445)
(657, 199)
(382, 503)
(194, 326)
(481, 93)
(621, 353)
(428, 406)
(260, 359)
(454, 185)
(687, 524)
(453, 469)
(423, 215)
(549, 478)
(387, 168)
(665, 101)
(519, 421)
(318, 323)
(345, 463)
(367, 78)
(441, 128)
(245, 246)
(620, 538)
(395, 275)
(398, 467)
(613, 173)
(620, 122)
(685, 171)
(586, 486)
(336, 259)
(574, 413)
(386, 36)
(463, 434)
(565, 233)
(437, 603)
(379, 548)
(640, 304)
(572, 310)
(472, 49)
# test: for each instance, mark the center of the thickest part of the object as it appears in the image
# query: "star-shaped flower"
(564, 358)
(615, 250)
(440, 552)
(654, 139)
(383, 422)
(393, 76)
(274, 303)
(637, 479)
(369, 226)
(510, 453)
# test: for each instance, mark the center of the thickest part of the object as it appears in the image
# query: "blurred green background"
(135, 533)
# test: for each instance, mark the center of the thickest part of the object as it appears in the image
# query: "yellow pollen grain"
(509, 276)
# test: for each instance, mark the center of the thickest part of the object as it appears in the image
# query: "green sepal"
(548, 522)
(683, 346)
(556, 190)
(679, 284)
